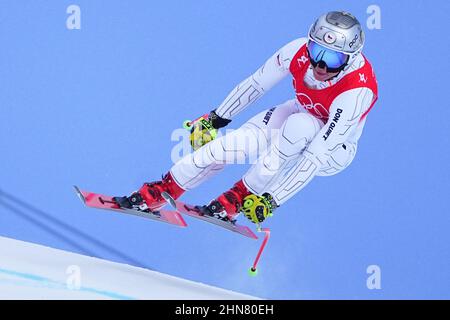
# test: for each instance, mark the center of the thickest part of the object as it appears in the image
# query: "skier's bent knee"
(300, 126)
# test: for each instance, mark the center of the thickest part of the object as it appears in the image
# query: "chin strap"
(333, 77)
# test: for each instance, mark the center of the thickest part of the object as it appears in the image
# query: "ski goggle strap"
(334, 60)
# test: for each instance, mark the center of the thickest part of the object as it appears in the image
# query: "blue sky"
(97, 106)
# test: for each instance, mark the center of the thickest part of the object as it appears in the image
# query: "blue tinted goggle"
(334, 60)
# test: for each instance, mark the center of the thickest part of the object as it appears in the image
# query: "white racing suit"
(288, 144)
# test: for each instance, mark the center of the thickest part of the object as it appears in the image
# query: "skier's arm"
(248, 91)
(244, 94)
(345, 114)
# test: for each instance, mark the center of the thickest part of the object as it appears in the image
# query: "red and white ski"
(192, 211)
(100, 201)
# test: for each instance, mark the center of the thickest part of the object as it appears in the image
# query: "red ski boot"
(228, 205)
(149, 196)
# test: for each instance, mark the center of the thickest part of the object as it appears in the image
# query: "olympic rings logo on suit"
(317, 108)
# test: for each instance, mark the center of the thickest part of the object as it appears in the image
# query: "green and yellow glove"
(258, 208)
(204, 129)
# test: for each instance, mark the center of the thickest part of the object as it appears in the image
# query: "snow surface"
(31, 271)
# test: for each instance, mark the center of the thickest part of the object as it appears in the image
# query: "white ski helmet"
(339, 31)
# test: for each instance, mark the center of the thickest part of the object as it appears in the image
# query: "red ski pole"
(253, 271)
(187, 124)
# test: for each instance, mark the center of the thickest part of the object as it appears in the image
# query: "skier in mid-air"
(317, 133)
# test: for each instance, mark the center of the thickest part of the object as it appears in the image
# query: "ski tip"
(79, 194)
(250, 233)
(183, 223)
